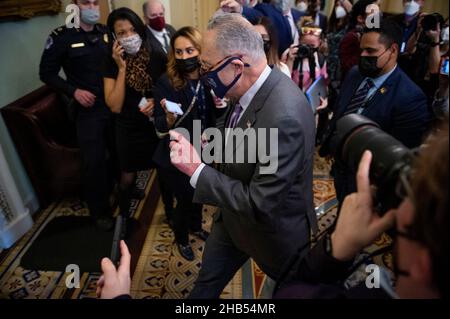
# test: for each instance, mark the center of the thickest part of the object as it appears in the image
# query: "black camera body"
(354, 135)
(430, 22)
(304, 51)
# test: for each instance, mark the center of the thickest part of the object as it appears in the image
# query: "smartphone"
(444, 66)
(174, 108)
(115, 39)
(118, 234)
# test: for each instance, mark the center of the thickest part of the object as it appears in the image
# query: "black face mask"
(368, 66)
(187, 66)
(267, 46)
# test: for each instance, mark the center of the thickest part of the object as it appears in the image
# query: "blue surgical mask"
(90, 16)
(212, 79)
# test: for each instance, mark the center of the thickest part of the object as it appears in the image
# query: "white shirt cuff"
(196, 175)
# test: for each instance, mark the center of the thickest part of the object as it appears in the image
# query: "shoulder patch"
(49, 43)
(59, 31)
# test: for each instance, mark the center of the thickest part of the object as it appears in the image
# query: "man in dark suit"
(263, 214)
(381, 91)
(319, 19)
(159, 34)
(280, 12)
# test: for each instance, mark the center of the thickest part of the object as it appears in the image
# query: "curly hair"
(178, 80)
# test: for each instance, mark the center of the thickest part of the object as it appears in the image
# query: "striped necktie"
(360, 97)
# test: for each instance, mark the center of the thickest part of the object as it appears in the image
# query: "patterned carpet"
(157, 267)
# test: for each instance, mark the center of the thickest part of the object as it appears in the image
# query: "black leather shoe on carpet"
(104, 223)
(186, 251)
(202, 234)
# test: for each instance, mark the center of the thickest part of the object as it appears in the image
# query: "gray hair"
(235, 35)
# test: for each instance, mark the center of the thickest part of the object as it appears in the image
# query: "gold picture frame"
(11, 10)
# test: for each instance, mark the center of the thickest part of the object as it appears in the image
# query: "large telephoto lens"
(355, 135)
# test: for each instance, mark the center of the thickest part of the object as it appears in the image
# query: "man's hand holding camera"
(358, 224)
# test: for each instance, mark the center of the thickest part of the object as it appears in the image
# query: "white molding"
(15, 230)
(32, 204)
(19, 221)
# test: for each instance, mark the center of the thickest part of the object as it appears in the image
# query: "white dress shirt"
(294, 30)
(159, 35)
(244, 101)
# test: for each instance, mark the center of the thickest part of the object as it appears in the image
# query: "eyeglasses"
(311, 31)
(204, 66)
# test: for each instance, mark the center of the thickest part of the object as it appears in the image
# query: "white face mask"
(283, 5)
(411, 8)
(131, 44)
(302, 6)
(340, 12)
(444, 34)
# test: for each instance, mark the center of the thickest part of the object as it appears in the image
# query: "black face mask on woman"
(187, 66)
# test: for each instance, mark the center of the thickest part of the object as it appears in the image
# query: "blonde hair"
(178, 80)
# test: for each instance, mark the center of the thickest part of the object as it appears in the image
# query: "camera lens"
(356, 134)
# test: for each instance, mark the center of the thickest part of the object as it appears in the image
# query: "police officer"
(80, 53)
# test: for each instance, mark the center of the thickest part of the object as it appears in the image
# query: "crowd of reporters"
(392, 74)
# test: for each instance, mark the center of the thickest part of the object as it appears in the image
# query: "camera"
(430, 22)
(304, 51)
(354, 135)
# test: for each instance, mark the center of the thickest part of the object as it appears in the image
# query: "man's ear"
(238, 65)
(422, 267)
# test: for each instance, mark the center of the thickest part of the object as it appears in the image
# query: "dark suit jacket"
(323, 21)
(399, 107)
(158, 58)
(278, 20)
(268, 216)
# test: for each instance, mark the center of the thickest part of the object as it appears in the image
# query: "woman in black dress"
(128, 93)
(182, 85)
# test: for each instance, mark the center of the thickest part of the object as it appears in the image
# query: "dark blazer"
(399, 107)
(164, 90)
(268, 216)
(158, 58)
(323, 21)
(281, 25)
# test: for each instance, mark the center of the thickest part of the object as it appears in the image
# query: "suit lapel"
(248, 119)
(381, 92)
(155, 42)
(346, 99)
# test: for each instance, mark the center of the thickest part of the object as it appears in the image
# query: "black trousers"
(187, 216)
(221, 260)
(166, 195)
(95, 131)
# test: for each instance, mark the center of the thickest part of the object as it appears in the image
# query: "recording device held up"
(391, 160)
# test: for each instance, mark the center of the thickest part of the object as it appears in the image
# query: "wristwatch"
(434, 44)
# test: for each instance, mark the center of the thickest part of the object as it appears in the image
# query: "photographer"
(421, 245)
(421, 61)
(304, 58)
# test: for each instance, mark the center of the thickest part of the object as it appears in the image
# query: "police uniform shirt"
(80, 54)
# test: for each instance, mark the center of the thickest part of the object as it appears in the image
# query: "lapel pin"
(249, 125)
(383, 90)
